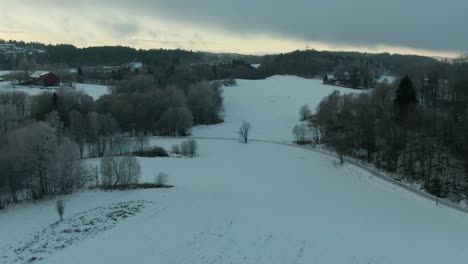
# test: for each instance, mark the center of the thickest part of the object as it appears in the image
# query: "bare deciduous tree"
(304, 112)
(176, 149)
(121, 145)
(176, 121)
(78, 129)
(108, 170)
(119, 170)
(9, 119)
(130, 170)
(67, 169)
(192, 147)
(161, 179)
(301, 134)
(184, 148)
(60, 207)
(338, 142)
(35, 148)
(142, 142)
(205, 102)
(244, 131)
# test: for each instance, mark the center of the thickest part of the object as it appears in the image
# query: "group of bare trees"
(136, 105)
(43, 139)
(98, 132)
(141, 104)
(36, 158)
(304, 113)
(187, 148)
(417, 129)
(119, 170)
(302, 134)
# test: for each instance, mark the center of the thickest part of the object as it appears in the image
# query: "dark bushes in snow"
(152, 152)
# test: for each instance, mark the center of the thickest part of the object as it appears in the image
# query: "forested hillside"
(417, 128)
(210, 66)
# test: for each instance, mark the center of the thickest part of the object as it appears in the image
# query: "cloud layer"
(431, 25)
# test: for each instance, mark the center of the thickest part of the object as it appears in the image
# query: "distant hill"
(307, 63)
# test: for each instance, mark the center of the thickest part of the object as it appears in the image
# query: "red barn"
(44, 78)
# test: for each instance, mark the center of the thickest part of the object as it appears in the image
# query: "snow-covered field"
(9, 87)
(271, 106)
(387, 78)
(248, 203)
(3, 73)
(93, 90)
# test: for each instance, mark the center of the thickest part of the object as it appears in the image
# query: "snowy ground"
(61, 235)
(237, 204)
(271, 106)
(387, 78)
(9, 87)
(93, 90)
(3, 73)
(252, 203)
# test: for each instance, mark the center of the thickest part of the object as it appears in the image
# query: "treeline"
(211, 66)
(417, 129)
(140, 105)
(116, 56)
(137, 105)
(179, 74)
(312, 63)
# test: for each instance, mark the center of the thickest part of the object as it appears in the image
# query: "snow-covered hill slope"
(271, 106)
(92, 90)
(250, 203)
(260, 203)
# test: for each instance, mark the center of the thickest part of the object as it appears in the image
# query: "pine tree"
(355, 79)
(405, 94)
(55, 101)
(405, 100)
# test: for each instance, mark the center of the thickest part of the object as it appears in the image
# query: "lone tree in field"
(60, 207)
(305, 112)
(184, 148)
(244, 131)
(161, 179)
(192, 148)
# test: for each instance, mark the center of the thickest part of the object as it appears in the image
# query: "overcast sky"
(428, 27)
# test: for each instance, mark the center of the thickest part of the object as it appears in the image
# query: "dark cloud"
(421, 24)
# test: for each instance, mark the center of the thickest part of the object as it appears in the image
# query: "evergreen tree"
(325, 78)
(405, 99)
(54, 101)
(406, 93)
(355, 79)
